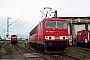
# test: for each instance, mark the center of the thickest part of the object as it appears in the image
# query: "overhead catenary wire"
(52, 2)
(14, 22)
(26, 8)
(29, 5)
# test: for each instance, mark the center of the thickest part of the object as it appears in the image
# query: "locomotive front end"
(13, 39)
(56, 34)
(83, 38)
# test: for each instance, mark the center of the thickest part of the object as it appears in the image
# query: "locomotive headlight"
(63, 37)
(86, 41)
(50, 37)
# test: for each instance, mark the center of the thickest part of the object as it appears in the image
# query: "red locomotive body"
(51, 34)
(83, 37)
(13, 39)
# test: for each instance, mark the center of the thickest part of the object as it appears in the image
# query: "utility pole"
(4, 34)
(9, 25)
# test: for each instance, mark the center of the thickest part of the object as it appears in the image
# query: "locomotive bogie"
(13, 42)
(51, 47)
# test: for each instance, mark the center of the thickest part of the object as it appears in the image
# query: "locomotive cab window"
(79, 33)
(61, 24)
(56, 24)
(14, 35)
(50, 24)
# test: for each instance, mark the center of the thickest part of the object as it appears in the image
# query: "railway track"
(80, 53)
(64, 57)
(33, 54)
(30, 54)
(60, 56)
(74, 55)
(85, 49)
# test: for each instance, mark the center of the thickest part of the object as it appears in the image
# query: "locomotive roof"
(13, 35)
(54, 19)
(83, 30)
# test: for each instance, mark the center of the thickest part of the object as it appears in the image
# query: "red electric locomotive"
(13, 39)
(83, 38)
(51, 34)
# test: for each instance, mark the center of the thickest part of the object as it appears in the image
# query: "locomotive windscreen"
(56, 24)
(14, 35)
(51, 24)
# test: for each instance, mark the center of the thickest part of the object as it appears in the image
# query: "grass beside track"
(7, 49)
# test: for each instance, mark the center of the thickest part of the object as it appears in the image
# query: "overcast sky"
(28, 12)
